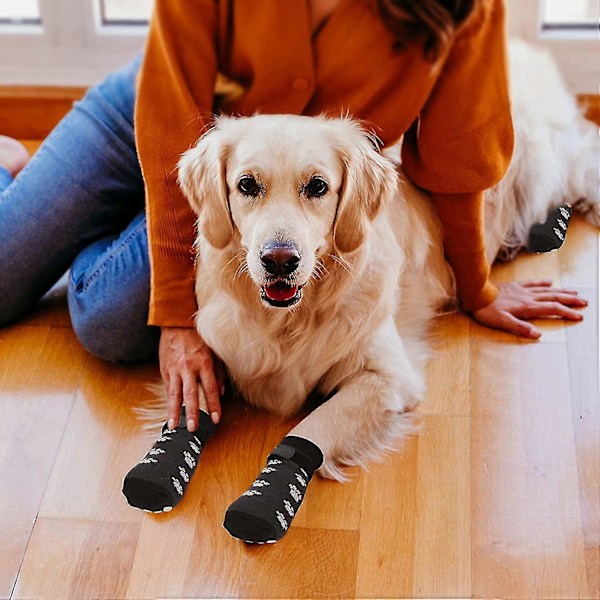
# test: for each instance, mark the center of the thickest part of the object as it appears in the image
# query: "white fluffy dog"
(319, 268)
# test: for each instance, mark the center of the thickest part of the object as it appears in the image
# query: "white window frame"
(73, 49)
(70, 48)
(577, 51)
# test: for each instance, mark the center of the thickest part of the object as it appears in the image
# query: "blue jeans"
(79, 204)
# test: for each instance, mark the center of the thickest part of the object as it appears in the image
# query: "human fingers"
(519, 327)
(536, 283)
(560, 296)
(553, 309)
(173, 401)
(211, 389)
(544, 289)
(190, 399)
(202, 399)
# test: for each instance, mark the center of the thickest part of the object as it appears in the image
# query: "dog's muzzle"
(281, 294)
(280, 260)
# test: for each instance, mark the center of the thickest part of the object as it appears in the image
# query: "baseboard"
(31, 112)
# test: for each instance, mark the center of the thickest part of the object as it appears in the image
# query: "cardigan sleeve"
(174, 102)
(465, 250)
(462, 143)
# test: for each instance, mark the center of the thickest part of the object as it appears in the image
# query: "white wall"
(577, 52)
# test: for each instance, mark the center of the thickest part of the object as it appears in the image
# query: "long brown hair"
(431, 21)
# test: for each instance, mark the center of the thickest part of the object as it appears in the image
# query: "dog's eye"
(247, 185)
(317, 187)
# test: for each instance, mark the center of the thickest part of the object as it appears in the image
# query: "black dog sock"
(264, 512)
(548, 236)
(157, 482)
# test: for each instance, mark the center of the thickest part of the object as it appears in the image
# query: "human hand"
(185, 362)
(521, 300)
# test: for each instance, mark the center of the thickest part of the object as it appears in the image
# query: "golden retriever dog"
(320, 267)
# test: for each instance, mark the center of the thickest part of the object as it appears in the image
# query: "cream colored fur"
(371, 257)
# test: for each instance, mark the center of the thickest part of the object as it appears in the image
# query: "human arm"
(174, 102)
(509, 305)
(462, 143)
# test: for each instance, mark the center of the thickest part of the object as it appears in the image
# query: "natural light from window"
(571, 13)
(19, 11)
(114, 12)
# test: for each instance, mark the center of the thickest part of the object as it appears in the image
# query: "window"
(19, 12)
(574, 14)
(77, 42)
(117, 12)
(68, 42)
(566, 28)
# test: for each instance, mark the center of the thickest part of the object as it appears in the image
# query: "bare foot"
(13, 155)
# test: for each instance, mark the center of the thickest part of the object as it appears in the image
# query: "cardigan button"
(300, 85)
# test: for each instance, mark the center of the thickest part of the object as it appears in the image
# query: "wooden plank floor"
(497, 497)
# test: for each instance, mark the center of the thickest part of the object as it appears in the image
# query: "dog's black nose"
(279, 259)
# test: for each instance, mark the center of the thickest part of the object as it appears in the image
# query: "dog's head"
(289, 190)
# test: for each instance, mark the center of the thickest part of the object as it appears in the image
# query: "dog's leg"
(158, 481)
(368, 414)
(356, 425)
(364, 418)
(264, 512)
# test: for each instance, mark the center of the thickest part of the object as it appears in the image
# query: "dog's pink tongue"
(280, 291)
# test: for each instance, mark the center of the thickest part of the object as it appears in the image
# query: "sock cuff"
(303, 452)
(205, 428)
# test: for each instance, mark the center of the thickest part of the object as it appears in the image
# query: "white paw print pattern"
(184, 474)
(260, 483)
(189, 459)
(562, 224)
(268, 470)
(281, 520)
(251, 493)
(163, 438)
(155, 451)
(171, 431)
(177, 485)
(288, 507)
(295, 493)
(304, 473)
(564, 212)
(148, 459)
(194, 447)
(559, 234)
(274, 461)
(301, 481)
(198, 441)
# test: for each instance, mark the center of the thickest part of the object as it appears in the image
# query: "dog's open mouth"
(281, 294)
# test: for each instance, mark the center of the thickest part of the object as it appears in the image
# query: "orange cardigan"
(455, 114)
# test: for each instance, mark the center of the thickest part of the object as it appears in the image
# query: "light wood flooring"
(496, 497)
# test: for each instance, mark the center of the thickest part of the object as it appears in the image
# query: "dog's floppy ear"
(369, 181)
(202, 179)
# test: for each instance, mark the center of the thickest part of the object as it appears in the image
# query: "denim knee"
(103, 333)
(109, 288)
